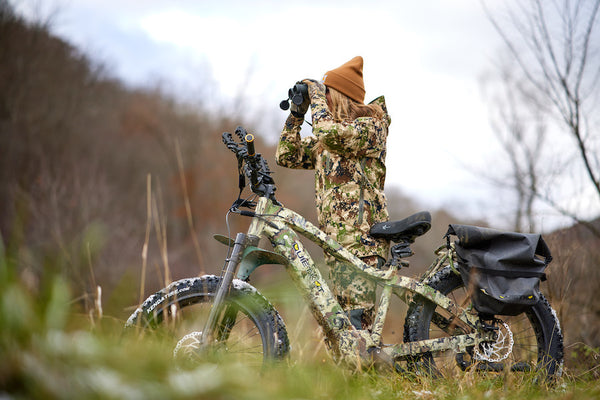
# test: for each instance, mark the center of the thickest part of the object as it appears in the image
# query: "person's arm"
(292, 150)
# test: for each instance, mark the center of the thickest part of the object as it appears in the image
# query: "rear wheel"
(249, 327)
(531, 341)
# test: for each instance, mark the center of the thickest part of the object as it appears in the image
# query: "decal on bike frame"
(305, 262)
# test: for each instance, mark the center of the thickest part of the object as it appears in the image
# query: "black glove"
(300, 100)
(299, 111)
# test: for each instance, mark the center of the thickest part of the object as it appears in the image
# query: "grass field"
(50, 349)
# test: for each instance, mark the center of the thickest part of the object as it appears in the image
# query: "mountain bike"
(444, 332)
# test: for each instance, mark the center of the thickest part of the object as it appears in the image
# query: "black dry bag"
(501, 270)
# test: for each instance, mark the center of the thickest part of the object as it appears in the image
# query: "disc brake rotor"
(499, 349)
(188, 344)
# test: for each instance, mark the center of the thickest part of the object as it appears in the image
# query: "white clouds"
(423, 56)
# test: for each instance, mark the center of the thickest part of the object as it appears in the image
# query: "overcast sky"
(426, 57)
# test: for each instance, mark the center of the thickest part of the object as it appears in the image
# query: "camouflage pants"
(352, 290)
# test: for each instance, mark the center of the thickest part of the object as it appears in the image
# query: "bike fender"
(252, 258)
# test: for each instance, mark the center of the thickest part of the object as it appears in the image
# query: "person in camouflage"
(347, 151)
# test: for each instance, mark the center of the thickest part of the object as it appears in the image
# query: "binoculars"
(298, 95)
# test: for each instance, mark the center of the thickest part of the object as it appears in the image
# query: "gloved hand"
(314, 85)
(300, 100)
(299, 111)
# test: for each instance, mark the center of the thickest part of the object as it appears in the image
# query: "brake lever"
(235, 207)
(241, 133)
(236, 148)
(243, 203)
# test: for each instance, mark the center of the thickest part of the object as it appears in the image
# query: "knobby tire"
(249, 324)
(538, 340)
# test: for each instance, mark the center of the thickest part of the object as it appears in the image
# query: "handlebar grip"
(249, 138)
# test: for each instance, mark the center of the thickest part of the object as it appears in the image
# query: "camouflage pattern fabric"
(352, 290)
(349, 163)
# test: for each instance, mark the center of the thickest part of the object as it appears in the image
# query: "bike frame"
(283, 227)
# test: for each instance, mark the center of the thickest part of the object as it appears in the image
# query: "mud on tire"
(250, 326)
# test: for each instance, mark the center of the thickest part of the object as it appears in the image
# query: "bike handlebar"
(249, 138)
(251, 164)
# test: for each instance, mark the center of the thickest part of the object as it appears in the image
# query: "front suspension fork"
(224, 288)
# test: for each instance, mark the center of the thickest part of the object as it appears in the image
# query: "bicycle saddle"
(406, 230)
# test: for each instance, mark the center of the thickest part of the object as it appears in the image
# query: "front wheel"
(248, 327)
(532, 341)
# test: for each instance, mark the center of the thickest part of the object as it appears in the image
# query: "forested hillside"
(77, 151)
(93, 172)
(81, 153)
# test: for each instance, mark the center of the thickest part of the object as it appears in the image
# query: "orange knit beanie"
(348, 79)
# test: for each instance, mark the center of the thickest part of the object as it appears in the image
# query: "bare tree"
(555, 45)
(519, 123)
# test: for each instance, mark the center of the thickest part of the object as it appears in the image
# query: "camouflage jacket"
(349, 163)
